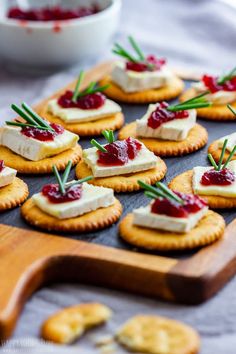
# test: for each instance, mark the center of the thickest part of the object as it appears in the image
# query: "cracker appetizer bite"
(13, 191)
(72, 206)
(172, 221)
(138, 78)
(85, 112)
(216, 184)
(170, 130)
(120, 163)
(220, 90)
(33, 145)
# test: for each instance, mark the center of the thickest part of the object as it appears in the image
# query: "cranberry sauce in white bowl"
(56, 43)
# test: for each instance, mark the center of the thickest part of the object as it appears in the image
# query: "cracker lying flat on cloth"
(158, 335)
(69, 324)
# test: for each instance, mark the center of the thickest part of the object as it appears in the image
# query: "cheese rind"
(223, 191)
(220, 97)
(7, 176)
(92, 198)
(175, 130)
(231, 141)
(144, 160)
(77, 115)
(132, 81)
(33, 149)
(145, 218)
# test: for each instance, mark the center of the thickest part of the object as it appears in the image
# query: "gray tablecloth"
(197, 34)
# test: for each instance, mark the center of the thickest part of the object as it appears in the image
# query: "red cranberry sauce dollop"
(162, 115)
(52, 192)
(1, 165)
(55, 13)
(119, 152)
(192, 204)
(223, 177)
(156, 64)
(91, 101)
(43, 135)
(211, 83)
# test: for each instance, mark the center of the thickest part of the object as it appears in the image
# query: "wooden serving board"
(30, 259)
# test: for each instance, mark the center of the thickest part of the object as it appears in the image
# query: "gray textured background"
(197, 34)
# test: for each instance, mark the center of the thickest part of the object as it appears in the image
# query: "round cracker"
(156, 334)
(124, 183)
(168, 92)
(95, 220)
(13, 194)
(92, 128)
(215, 151)
(69, 324)
(183, 183)
(209, 229)
(196, 139)
(215, 112)
(23, 165)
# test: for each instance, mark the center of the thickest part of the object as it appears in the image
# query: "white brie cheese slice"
(145, 218)
(175, 130)
(33, 149)
(92, 198)
(132, 81)
(77, 115)
(144, 160)
(220, 97)
(7, 176)
(231, 141)
(223, 191)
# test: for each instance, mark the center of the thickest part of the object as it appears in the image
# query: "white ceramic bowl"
(39, 45)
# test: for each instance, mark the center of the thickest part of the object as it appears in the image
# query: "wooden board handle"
(30, 259)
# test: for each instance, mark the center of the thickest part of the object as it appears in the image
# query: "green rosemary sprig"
(89, 90)
(220, 167)
(59, 181)
(231, 109)
(32, 119)
(160, 191)
(66, 173)
(78, 83)
(62, 181)
(79, 181)
(137, 48)
(195, 102)
(222, 154)
(98, 145)
(138, 56)
(212, 161)
(224, 78)
(108, 135)
(23, 125)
